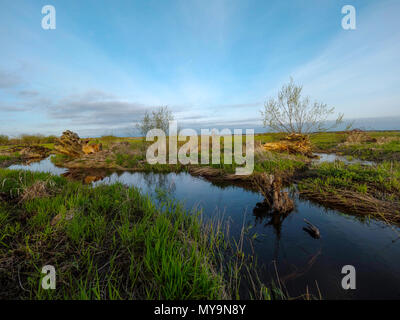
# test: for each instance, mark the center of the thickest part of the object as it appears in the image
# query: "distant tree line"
(27, 139)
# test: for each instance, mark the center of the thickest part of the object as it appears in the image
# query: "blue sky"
(214, 63)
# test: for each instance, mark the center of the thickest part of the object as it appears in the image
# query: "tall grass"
(112, 242)
(109, 242)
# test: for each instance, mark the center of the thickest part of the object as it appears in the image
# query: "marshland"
(117, 227)
(199, 150)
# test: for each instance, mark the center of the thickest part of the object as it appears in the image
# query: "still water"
(372, 247)
(332, 157)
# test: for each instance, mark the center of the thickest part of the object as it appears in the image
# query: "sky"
(212, 62)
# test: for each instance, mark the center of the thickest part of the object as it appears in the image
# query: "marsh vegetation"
(120, 240)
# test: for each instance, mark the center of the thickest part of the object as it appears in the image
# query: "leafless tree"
(291, 113)
(157, 119)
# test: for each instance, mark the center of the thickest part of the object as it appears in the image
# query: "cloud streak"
(9, 79)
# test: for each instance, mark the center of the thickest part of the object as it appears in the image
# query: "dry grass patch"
(39, 189)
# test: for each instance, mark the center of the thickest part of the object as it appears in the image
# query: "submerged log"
(312, 230)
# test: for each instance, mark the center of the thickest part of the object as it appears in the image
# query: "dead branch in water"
(312, 230)
(270, 187)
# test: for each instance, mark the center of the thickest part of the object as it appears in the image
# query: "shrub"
(3, 139)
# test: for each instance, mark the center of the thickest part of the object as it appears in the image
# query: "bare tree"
(293, 114)
(157, 119)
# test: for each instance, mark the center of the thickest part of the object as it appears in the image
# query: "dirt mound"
(73, 146)
(35, 152)
(27, 153)
(293, 144)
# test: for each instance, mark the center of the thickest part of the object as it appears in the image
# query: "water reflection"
(44, 165)
(264, 215)
(332, 157)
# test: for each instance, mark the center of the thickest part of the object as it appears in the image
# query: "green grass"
(59, 159)
(374, 151)
(9, 157)
(117, 245)
(326, 140)
(3, 157)
(387, 148)
(381, 181)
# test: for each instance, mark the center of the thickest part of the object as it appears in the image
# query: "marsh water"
(332, 157)
(372, 247)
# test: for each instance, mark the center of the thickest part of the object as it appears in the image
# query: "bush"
(158, 119)
(3, 139)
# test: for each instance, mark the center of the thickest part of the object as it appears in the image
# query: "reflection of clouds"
(159, 181)
(147, 182)
(44, 165)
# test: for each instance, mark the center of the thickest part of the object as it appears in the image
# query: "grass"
(384, 177)
(369, 190)
(59, 159)
(112, 242)
(380, 151)
(326, 141)
(8, 159)
(387, 147)
(117, 245)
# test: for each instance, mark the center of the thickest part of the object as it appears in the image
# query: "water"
(44, 165)
(372, 247)
(332, 157)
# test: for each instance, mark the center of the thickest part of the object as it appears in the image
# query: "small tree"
(157, 119)
(291, 113)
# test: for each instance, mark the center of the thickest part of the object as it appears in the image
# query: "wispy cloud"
(359, 71)
(28, 93)
(9, 79)
(211, 62)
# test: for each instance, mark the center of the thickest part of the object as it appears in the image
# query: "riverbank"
(277, 243)
(362, 190)
(108, 242)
